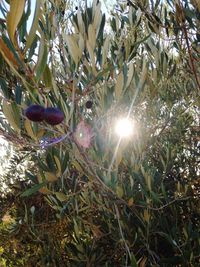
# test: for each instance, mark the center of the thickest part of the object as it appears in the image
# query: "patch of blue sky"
(31, 17)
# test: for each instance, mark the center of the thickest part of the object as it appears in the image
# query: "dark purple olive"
(53, 116)
(35, 113)
(88, 104)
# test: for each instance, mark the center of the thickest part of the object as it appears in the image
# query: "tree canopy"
(81, 194)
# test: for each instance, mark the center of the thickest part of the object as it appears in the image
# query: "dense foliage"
(79, 194)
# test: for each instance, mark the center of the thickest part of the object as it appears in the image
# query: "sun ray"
(120, 138)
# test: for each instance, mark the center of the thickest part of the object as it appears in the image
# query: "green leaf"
(35, 24)
(7, 93)
(11, 113)
(32, 190)
(65, 161)
(133, 261)
(113, 25)
(14, 16)
(42, 58)
(119, 85)
(18, 94)
(101, 29)
(136, 45)
(33, 48)
(61, 196)
(22, 27)
(41, 164)
(76, 229)
(155, 197)
(119, 191)
(47, 77)
(30, 176)
(50, 162)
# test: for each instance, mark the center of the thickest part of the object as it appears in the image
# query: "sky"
(106, 6)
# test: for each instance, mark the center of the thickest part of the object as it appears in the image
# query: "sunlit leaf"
(119, 85)
(73, 48)
(29, 129)
(14, 16)
(11, 113)
(119, 191)
(61, 196)
(51, 177)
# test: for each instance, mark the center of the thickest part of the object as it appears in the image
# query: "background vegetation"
(132, 202)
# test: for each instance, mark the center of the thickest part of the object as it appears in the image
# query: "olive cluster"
(38, 113)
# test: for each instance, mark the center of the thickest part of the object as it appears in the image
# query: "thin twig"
(164, 206)
(121, 232)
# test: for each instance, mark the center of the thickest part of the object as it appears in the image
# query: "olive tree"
(95, 194)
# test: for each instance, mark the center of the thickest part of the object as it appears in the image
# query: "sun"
(124, 127)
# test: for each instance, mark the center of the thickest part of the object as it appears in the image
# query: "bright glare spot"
(124, 127)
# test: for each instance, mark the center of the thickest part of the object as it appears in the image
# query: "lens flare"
(124, 127)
